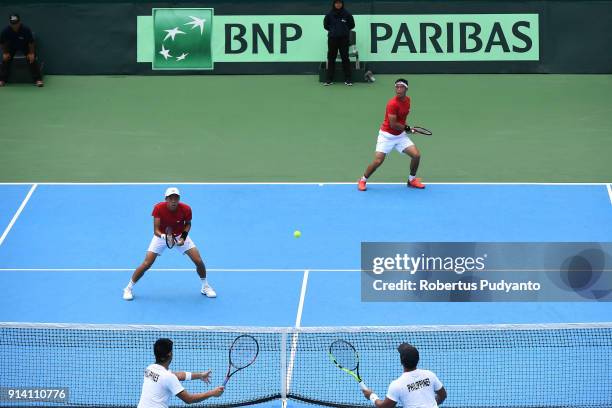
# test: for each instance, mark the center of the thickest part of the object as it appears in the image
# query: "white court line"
(18, 213)
(168, 270)
(610, 192)
(222, 183)
(298, 318)
(262, 270)
(298, 324)
(259, 270)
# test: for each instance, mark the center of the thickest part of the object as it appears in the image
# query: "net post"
(283, 368)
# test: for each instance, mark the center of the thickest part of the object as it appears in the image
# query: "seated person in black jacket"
(338, 23)
(17, 37)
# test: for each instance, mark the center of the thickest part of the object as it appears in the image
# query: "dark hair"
(401, 80)
(162, 349)
(409, 355)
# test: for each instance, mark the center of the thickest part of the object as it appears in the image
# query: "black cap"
(14, 19)
(409, 355)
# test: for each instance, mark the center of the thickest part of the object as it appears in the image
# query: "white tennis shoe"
(127, 294)
(208, 291)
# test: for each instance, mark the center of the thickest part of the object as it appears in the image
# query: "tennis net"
(559, 365)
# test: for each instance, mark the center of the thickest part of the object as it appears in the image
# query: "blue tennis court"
(67, 251)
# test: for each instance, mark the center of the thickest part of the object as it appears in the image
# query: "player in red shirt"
(392, 135)
(177, 215)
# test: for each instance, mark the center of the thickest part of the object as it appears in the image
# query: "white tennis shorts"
(387, 142)
(158, 245)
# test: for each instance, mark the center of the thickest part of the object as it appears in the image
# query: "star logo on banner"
(165, 52)
(182, 38)
(196, 22)
(172, 33)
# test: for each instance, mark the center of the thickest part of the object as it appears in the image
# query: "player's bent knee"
(413, 153)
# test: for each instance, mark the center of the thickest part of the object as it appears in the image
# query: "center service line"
(298, 323)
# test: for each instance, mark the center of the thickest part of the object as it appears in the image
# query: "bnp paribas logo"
(183, 38)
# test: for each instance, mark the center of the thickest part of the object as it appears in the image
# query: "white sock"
(204, 281)
(130, 285)
(411, 177)
(364, 178)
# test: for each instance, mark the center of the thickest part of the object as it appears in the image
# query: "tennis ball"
(297, 233)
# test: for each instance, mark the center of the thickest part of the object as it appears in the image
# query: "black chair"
(359, 71)
(353, 53)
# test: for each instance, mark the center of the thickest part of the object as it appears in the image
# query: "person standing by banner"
(338, 23)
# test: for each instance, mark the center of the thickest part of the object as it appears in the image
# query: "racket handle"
(363, 386)
(225, 381)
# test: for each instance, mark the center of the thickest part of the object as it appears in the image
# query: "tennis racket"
(170, 239)
(242, 353)
(345, 357)
(421, 130)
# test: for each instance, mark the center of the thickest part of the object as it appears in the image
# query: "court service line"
(294, 339)
(610, 192)
(18, 213)
(305, 183)
(266, 270)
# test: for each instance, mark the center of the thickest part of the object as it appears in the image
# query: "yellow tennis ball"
(297, 233)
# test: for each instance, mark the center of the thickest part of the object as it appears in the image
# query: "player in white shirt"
(160, 383)
(415, 388)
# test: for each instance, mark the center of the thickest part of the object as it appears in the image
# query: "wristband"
(373, 398)
(407, 128)
(187, 376)
(184, 234)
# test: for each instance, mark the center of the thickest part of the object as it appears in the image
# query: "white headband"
(401, 83)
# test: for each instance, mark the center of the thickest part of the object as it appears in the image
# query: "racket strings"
(421, 130)
(243, 352)
(170, 241)
(344, 355)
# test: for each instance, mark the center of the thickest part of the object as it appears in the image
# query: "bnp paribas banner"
(195, 38)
